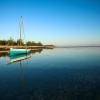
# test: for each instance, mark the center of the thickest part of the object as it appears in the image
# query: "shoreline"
(76, 46)
(4, 47)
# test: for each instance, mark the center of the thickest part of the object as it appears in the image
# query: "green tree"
(11, 41)
(3, 42)
(39, 44)
(20, 42)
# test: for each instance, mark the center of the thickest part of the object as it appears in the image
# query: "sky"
(58, 22)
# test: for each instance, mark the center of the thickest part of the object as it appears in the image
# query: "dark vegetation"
(12, 42)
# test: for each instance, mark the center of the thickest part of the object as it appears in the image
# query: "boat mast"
(21, 31)
(21, 24)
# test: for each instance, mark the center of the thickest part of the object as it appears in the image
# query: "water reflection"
(17, 58)
(59, 74)
(4, 53)
(22, 77)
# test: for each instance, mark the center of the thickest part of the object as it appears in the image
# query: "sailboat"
(19, 51)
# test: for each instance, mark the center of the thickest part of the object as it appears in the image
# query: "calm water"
(58, 74)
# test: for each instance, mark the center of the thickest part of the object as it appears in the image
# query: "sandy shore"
(29, 47)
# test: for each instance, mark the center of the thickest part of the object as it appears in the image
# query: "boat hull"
(19, 51)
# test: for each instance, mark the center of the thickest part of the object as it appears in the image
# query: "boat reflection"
(22, 77)
(20, 65)
(16, 58)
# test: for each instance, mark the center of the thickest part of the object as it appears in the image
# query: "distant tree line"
(12, 42)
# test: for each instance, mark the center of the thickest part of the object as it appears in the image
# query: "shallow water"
(57, 74)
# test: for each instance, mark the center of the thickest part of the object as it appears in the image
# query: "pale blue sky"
(59, 22)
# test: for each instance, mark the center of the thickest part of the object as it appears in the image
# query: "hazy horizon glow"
(58, 22)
